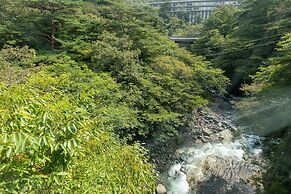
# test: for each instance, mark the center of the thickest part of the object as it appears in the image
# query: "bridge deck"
(183, 40)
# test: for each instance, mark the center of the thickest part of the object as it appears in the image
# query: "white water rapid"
(227, 162)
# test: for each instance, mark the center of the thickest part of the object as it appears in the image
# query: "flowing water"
(214, 168)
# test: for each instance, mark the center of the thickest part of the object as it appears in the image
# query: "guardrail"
(183, 40)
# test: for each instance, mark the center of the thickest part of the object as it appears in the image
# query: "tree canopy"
(241, 40)
(80, 80)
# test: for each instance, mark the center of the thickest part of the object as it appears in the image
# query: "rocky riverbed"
(209, 156)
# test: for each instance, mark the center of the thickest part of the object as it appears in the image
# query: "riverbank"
(209, 155)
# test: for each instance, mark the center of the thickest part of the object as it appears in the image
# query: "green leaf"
(5, 138)
(69, 145)
(62, 173)
(19, 143)
(45, 140)
(9, 152)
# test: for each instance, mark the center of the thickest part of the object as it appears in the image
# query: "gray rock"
(214, 138)
(225, 135)
(180, 151)
(204, 140)
(206, 131)
(161, 189)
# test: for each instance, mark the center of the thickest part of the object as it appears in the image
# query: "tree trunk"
(53, 33)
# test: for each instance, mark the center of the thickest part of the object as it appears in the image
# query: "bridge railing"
(184, 40)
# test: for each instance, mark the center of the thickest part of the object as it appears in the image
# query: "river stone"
(217, 185)
(225, 136)
(161, 189)
(180, 151)
(206, 131)
(204, 140)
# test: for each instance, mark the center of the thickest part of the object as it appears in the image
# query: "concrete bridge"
(184, 40)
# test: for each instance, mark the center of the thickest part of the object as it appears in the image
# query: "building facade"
(196, 10)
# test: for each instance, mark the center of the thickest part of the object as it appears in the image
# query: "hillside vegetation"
(252, 44)
(81, 79)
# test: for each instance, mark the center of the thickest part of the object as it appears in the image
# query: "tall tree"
(50, 10)
(250, 38)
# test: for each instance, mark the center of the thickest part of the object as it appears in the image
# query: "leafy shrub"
(162, 88)
(17, 56)
(277, 73)
(57, 125)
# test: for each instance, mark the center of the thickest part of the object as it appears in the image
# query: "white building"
(195, 9)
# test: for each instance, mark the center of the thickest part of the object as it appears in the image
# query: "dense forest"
(84, 82)
(81, 79)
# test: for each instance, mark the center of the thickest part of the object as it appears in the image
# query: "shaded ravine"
(210, 156)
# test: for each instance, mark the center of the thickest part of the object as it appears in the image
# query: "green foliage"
(124, 41)
(223, 19)
(174, 24)
(17, 56)
(164, 88)
(16, 64)
(279, 186)
(129, 50)
(278, 72)
(267, 113)
(165, 10)
(212, 41)
(244, 39)
(104, 71)
(59, 116)
(114, 170)
(189, 31)
(252, 45)
(215, 31)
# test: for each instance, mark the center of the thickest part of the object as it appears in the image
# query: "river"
(213, 157)
(215, 168)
